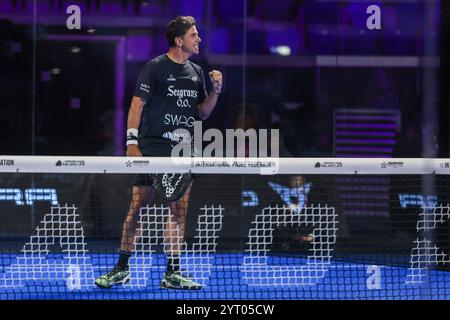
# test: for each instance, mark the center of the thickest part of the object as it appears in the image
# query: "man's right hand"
(133, 151)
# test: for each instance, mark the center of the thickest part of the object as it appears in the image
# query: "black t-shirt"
(172, 92)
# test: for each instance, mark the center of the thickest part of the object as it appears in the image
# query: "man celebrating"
(170, 94)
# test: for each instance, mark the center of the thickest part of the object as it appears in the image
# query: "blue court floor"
(224, 276)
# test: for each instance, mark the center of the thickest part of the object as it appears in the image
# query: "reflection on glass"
(294, 64)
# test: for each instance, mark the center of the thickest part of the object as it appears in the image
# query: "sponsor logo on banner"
(137, 163)
(445, 165)
(70, 163)
(392, 164)
(328, 164)
(7, 162)
(233, 164)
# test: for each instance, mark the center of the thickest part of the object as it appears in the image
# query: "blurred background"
(311, 68)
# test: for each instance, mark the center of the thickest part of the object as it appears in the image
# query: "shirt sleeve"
(146, 82)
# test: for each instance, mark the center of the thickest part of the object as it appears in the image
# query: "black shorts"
(143, 180)
(147, 179)
(157, 151)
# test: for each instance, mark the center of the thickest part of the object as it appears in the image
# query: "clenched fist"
(216, 79)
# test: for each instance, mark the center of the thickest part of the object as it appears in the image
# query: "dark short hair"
(178, 28)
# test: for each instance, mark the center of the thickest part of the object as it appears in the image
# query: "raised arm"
(207, 106)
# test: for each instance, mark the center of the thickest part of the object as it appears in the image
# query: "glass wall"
(338, 78)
